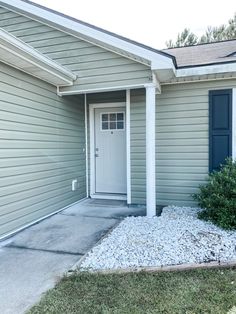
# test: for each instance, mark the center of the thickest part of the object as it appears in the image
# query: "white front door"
(110, 150)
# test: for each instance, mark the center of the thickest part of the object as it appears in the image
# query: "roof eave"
(18, 54)
(206, 69)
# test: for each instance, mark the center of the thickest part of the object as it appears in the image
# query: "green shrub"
(218, 197)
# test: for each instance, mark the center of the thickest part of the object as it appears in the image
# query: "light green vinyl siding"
(95, 67)
(181, 110)
(138, 143)
(181, 141)
(42, 144)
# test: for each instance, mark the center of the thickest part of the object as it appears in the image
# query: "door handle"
(96, 155)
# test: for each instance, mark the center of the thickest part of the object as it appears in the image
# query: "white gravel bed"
(176, 237)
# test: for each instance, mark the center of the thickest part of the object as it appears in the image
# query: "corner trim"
(86, 143)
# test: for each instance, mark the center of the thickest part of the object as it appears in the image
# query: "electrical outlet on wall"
(74, 185)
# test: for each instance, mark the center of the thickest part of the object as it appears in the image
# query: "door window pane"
(120, 125)
(112, 125)
(120, 116)
(105, 125)
(112, 117)
(113, 121)
(105, 117)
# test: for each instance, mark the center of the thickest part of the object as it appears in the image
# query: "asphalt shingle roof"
(218, 52)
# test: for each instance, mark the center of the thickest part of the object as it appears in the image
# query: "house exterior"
(87, 113)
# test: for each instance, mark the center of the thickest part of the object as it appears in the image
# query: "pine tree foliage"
(212, 34)
(186, 38)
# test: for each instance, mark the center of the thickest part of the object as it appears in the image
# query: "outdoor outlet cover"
(74, 185)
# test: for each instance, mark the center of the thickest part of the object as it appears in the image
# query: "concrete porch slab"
(63, 234)
(33, 260)
(105, 209)
(26, 274)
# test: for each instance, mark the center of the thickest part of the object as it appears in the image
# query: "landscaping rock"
(176, 237)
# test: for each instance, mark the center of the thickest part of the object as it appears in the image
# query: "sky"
(151, 22)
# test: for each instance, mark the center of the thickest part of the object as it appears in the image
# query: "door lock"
(96, 155)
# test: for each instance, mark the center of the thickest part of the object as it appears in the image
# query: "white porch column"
(128, 146)
(150, 149)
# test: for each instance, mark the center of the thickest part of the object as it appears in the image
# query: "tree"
(231, 30)
(186, 38)
(212, 34)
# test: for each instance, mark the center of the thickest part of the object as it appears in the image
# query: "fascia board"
(207, 69)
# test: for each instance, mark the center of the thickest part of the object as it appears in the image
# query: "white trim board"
(206, 69)
(198, 79)
(117, 197)
(93, 193)
(98, 90)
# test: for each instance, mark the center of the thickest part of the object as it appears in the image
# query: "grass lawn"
(189, 292)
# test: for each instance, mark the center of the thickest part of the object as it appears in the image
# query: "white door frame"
(92, 108)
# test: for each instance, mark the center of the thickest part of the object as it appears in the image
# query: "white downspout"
(150, 149)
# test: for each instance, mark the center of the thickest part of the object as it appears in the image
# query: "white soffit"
(18, 54)
(75, 28)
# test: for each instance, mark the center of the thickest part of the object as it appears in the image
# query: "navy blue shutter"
(220, 127)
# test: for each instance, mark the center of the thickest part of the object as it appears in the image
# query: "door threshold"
(118, 197)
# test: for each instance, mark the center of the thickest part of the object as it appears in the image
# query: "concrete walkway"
(32, 261)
